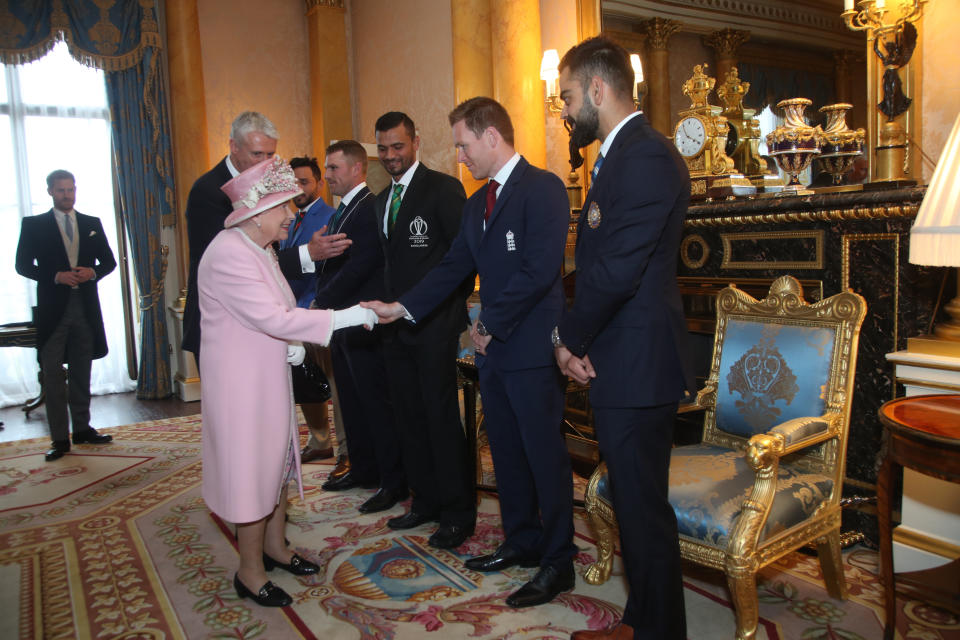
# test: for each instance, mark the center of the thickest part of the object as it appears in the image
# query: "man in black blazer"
(68, 254)
(418, 218)
(513, 234)
(625, 333)
(343, 281)
(253, 139)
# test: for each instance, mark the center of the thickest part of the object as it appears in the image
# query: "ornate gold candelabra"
(894, 38)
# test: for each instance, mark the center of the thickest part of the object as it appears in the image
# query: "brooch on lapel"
(593, 215)
(511, 244)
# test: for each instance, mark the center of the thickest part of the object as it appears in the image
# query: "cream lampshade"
(935, 240)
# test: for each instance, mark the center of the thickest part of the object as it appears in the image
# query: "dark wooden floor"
(105, 411)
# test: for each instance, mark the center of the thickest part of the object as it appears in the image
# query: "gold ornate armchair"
(767, 477)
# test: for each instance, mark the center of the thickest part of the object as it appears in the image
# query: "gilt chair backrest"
(780, 358)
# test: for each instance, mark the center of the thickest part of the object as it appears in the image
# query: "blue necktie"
(596, 167)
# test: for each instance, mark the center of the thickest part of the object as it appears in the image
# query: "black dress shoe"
(342, 483)
(90, 436)
(382, 500)
(308, 454)
(450, 536)
(503, 558)
(298, 566)
(270, 595)
(56, 450)
(545, 586)
(409, 520)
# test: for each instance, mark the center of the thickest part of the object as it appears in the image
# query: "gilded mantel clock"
(743, 140)
(701, 138)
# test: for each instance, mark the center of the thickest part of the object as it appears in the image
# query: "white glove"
(295, 354)
(355, 315)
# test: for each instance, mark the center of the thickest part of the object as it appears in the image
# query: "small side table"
(921, 433)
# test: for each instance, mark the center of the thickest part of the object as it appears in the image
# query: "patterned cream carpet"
(114, 541)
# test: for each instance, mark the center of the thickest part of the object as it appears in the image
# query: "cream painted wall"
(249, 67)
(403, 61)
(558, 30)
(941, 90)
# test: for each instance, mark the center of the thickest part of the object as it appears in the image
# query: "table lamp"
(935, 241)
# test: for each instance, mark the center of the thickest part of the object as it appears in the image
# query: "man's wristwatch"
(555, 338)
(482, 330)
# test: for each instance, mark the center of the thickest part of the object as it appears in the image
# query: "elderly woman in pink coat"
(251, 330)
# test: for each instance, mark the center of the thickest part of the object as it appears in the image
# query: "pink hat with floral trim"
(261, 187)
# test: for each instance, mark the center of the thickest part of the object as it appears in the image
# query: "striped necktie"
(394, 205)
(596, 167)
(331, 226)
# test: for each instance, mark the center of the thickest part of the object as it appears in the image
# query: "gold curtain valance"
(105, 34)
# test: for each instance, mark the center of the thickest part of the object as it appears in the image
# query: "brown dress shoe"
(618, 632)
(309, 454)
(343, 466)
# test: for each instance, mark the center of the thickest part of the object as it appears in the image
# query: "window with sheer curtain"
(54, 115)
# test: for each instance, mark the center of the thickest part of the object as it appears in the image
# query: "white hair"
(250, 122)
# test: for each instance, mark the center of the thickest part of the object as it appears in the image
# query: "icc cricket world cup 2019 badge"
(511, 245)
(593, 215)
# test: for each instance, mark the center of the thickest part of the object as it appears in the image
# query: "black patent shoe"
(298, 566)
(547, 584)
(90, 436)
(503, 558)
(270, 595)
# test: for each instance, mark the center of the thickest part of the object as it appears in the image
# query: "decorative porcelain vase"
(795, 143)
(839, 145)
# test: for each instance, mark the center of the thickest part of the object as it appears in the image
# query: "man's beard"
(585, 125)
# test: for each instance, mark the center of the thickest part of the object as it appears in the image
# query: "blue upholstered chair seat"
(709, 484)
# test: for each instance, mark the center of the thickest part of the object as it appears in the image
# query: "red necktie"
(491, 198)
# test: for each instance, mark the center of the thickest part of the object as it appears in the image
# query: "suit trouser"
(423, 390)
(71, 343)
(636, 444)
(367, 416)
(314, 414)
(522, 413)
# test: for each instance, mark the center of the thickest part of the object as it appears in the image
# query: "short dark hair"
(391, 119)
(600, 56)
(307, 161)
(479, 113)
(350, 149)
(59, 174)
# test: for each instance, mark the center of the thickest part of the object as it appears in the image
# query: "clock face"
(690, 136)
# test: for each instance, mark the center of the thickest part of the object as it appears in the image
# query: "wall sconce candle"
(550, 74)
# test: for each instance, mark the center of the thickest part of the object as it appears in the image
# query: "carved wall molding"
(323, 4)
(765, 19)
(856, 213)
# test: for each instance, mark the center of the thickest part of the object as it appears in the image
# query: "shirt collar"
(234, 172)
(60, 214)
(504, 174)
(608, 141)
(407, 176)
(345, 200)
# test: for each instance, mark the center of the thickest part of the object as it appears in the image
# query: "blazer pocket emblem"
(92, 233)
(593, 215)
(511, 244)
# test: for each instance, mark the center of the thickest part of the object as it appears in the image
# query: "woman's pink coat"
(248, 315)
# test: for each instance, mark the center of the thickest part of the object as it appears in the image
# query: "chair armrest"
(707, 397)
(792, 435)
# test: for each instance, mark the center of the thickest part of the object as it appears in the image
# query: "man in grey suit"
(67, 254)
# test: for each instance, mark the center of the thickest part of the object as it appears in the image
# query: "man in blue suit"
(297, 255)
(513, 234)
(625, 333)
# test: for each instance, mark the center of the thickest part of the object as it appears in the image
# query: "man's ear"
(595, 90)
(492, 136)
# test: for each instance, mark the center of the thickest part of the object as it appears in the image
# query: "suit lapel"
(52, 230)
(408, 204)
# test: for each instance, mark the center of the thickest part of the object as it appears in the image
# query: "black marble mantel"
(858, 240)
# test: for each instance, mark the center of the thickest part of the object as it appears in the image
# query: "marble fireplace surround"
(830, 242)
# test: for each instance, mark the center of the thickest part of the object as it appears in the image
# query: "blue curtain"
(121, 37)
(770, 85)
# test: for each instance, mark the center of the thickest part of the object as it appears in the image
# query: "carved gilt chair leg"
(599, 571)
(831, 564)
(743, 589)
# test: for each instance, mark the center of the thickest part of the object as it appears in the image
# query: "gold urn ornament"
(701, 138)
(743, 139)
(839, 144)
(795, 143)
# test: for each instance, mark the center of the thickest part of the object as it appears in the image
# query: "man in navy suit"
(67, 254)
(357, 356)
(253, 139)
(297, 256)
(419, 216)
(625, 333)
(513, 234)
